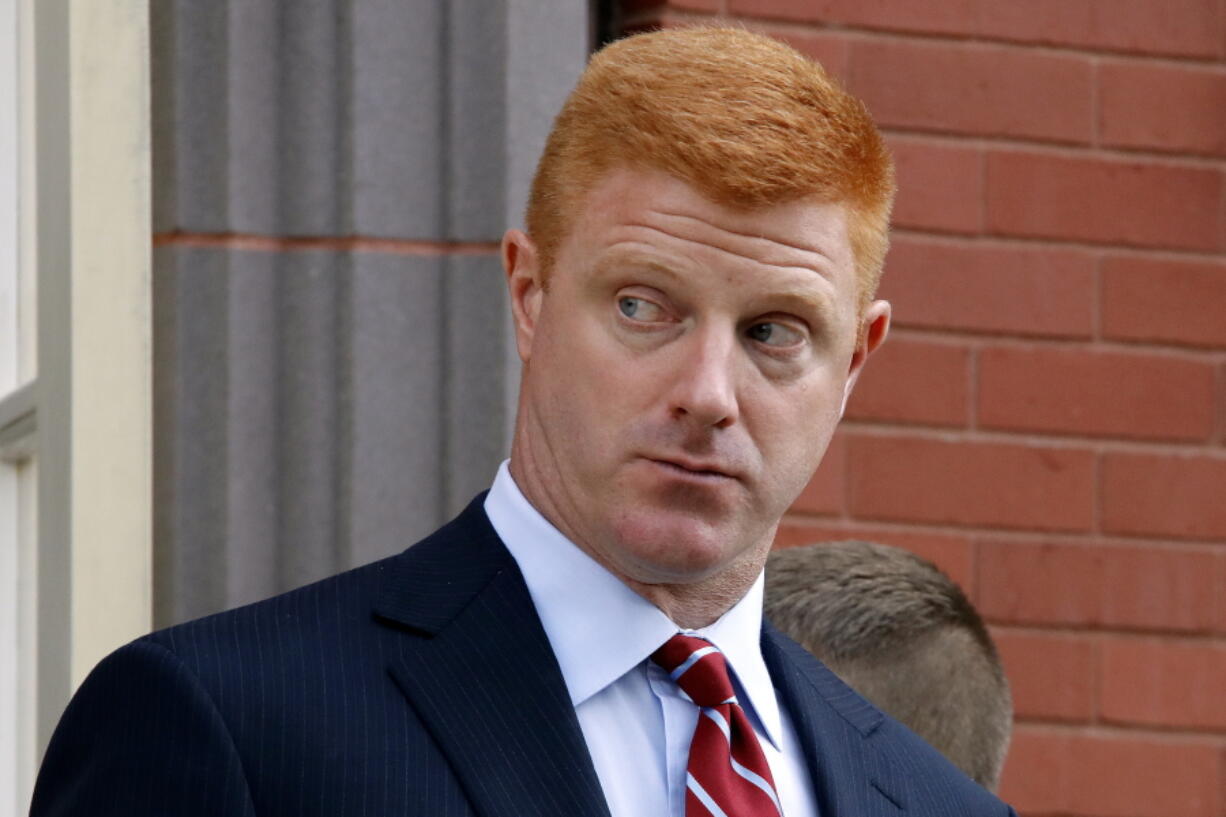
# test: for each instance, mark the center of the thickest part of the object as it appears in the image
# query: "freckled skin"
(684, 369)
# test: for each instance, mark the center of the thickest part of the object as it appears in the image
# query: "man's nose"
(704, 380)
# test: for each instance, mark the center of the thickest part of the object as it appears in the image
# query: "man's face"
(684, 372)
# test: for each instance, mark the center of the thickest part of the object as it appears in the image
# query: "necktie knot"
(698, 667)
(727, 773)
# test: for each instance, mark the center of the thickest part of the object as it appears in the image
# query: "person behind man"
(901, 633)
(693, 301)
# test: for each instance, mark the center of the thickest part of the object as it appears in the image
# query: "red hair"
(744, 119)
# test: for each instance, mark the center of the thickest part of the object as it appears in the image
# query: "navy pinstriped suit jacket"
(419, 685)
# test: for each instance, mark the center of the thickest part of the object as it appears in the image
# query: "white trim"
(10, 650)
(111, 326)
(9, 195)
(27, 631)
(94, 412)
(18, 639)
(17, 423)
(75, 441)
(27, 146)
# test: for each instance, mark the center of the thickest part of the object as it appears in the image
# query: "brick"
(1051, 676)
(912, 381)
(1083, 391)
(970, 483)
(939, 187)
(951, 553)
(1220, 583)
(659, 19)
(974, 89)
(636, 7)
(1221, 406)
(1156, 683)
(1056, 771)
(1180, 27)
(935, 16)
(831, 51)
(1165, 301)
(1101, 200)
(977, 288)
(825, 493)
(1161, 495)
(794, 532)
(1141, 105)
(1125, 586)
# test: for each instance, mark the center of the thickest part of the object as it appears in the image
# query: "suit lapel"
(835, 727)
(480, 673)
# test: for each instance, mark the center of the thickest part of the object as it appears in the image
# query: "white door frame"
(76, 397)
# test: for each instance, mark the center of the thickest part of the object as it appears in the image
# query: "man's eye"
(639, 309)
(770, 333)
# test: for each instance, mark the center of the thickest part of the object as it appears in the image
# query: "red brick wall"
(1048, 419)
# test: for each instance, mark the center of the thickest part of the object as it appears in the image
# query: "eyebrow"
(825, 308)
(611, 262)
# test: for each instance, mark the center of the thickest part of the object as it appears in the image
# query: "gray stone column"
(334, 372)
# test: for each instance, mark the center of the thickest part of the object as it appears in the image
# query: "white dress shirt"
(636, 723)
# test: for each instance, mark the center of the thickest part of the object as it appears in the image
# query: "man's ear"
(523, 270)
(874, 326)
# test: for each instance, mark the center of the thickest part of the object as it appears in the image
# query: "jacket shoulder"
(320, 610)
(933, 784)
(141, 709)
(896, 761)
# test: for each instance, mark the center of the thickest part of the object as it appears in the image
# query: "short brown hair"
(743, 118)
(904, 636)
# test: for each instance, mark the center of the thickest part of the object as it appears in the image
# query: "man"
(693, 302)
(901, 633)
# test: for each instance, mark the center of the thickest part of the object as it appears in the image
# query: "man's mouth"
(694, 468)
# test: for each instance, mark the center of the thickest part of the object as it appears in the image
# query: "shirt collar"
(598, 627)
(738, 634)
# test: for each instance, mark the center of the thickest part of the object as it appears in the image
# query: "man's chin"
(683, 549)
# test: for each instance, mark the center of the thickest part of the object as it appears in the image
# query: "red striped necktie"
(727, 774)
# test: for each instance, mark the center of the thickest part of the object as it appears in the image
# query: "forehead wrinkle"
(816, 269)
(751, 236)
